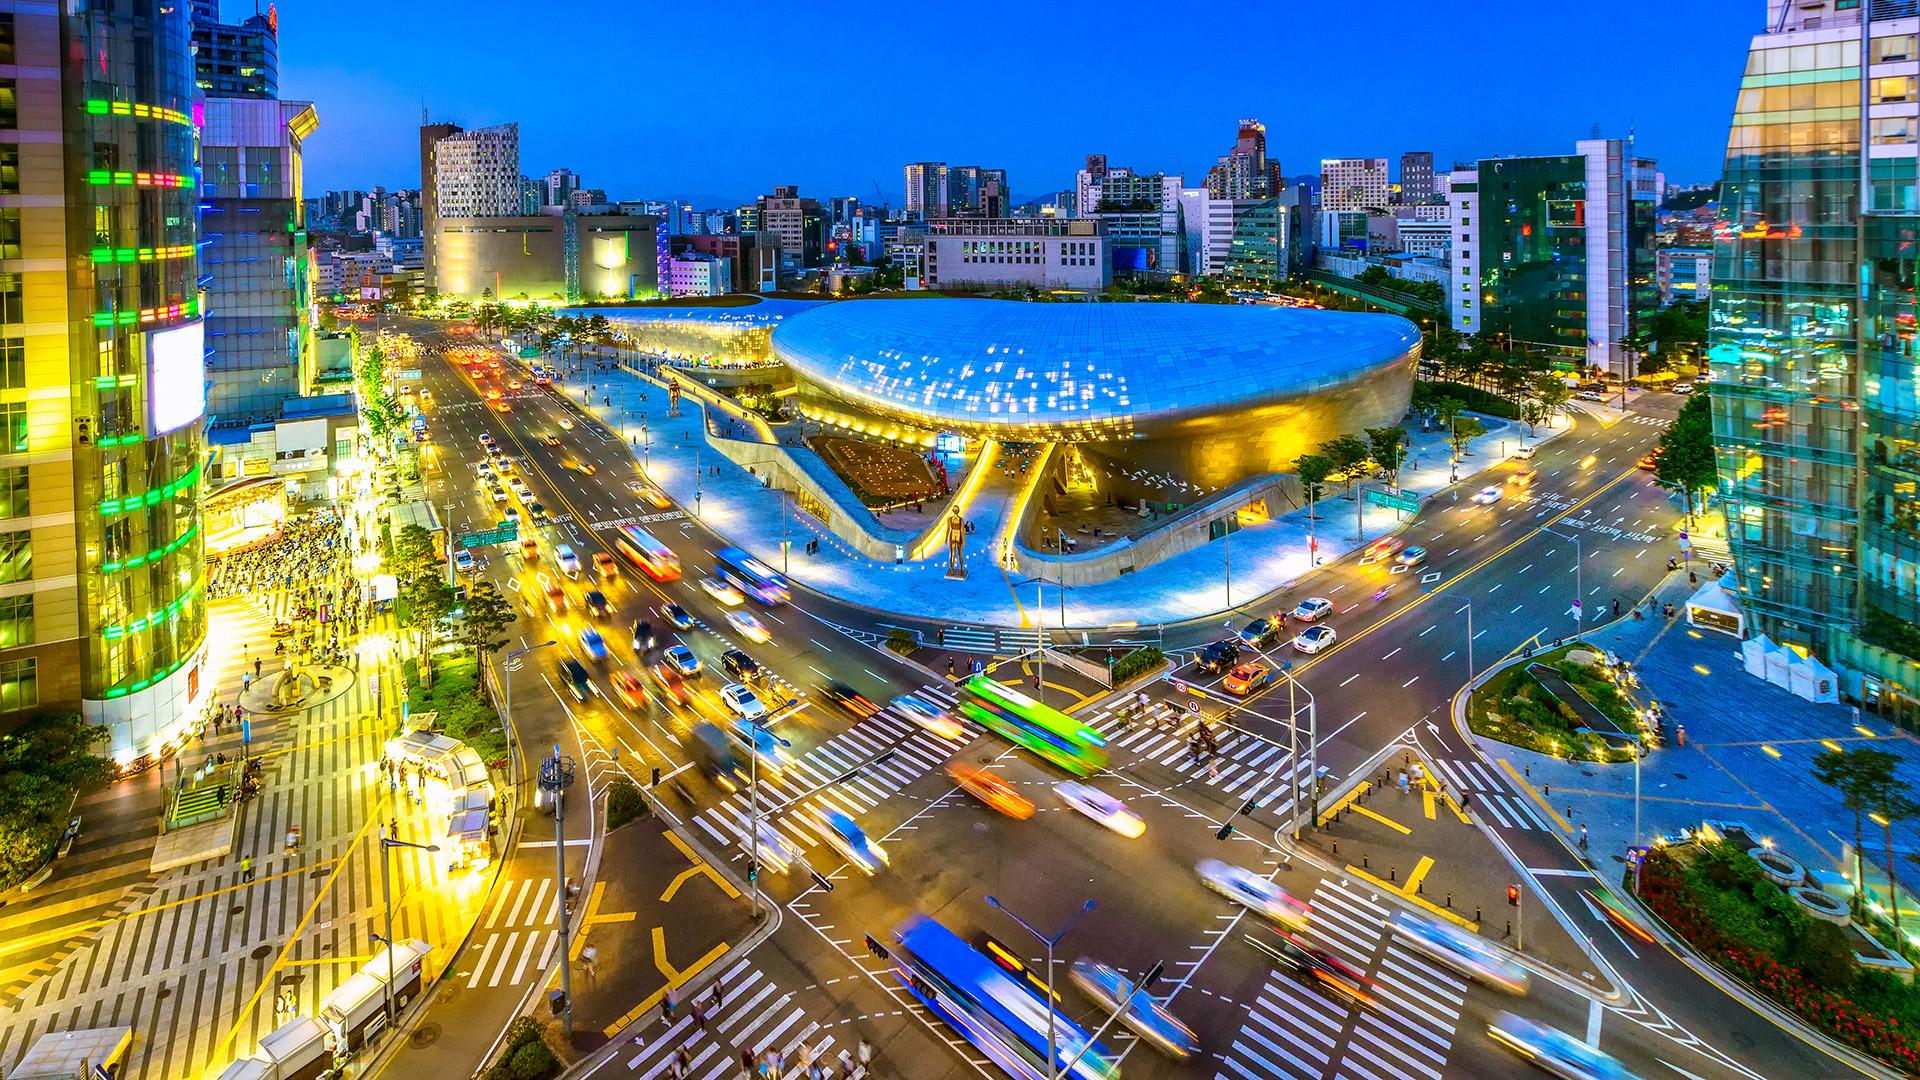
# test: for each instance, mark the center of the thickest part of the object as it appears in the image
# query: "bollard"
(1336, 847)
(1529, 772)
(1449, 901)
(1364, 859)
(1546, 789)
(1509, 928)
(1393, 873)
(1420, 887)
(1476, 914)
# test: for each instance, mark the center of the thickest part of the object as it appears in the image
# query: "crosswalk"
(1245, 767)
(1292, 1030)
(755, 1016)
(514, 940)
(1491, 796)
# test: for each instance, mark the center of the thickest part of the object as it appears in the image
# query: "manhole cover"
(261, 952)
(1586, 772)
(1679, 776)
(318, 873)
(425, 1035)
(165, 992)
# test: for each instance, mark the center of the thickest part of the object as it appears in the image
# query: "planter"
(1783, 870)
(1820, 905)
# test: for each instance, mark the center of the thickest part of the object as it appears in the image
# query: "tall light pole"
(1053, 1055)
(556, 775)
(1579, 613)
(387, 844)
(753, 808)
(1313, 743)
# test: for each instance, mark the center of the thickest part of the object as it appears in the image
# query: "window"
(9, 232)
(9, 105)
(16, 557)
(1893, 89)
(16, 621)
(6, 38)
(1888, 130)
(1894, 47)
(13, 363)
(9, 169)
(13, 427)
(13, 299)
(14, 501)
(19, 683)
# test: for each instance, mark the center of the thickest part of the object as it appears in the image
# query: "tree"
(1864, 778)
(1894, 806)
(413, 552)
(43, 763)
(485, 617)
(1388, 448)
(1348, 454)
(429, 600)
(1465, 429)
(1313, 470)
(1686, 463)
(1551, 393)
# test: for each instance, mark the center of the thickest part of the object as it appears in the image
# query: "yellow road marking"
(674, 979)
(1419, 901)
(1419, 874)
(1345, 801)
(1384, 820)
(1426, 803)
(1537, 797)
(700, 864)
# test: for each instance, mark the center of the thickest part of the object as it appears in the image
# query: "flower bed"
(1717, 898)
(1515, 708)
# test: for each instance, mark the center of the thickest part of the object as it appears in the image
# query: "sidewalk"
(1264, 557)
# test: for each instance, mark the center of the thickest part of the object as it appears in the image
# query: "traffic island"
(1563, 703)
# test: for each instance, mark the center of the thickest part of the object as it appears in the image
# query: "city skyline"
(625, 135)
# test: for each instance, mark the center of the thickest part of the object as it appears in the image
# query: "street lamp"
(1579, 614)
(387, 844)
(556, 776)
(1293, 739)
(753, 807)
(1053, 1055)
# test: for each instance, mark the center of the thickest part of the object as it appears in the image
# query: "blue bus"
(750, 576)
(997, 1013)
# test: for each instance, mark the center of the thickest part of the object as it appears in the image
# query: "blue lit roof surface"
(993, 363)
(766, 311)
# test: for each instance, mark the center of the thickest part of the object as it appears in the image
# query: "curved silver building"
(1198, 394)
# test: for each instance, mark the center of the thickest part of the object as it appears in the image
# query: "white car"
(1683, 388)
(1489, 494)
(566, 424)
(499, 493)
(1553, 1050)
(1313, 609)
(722, 590)
(1465, 952)
(1314, 638)
(566, 560)
(521, 489)
(1525, 452)
(486, 440)
(1250, 890)
(750, 628)
(1101, 807)
(773, 849)
(930, 717)
(743, 701)
(463, 561)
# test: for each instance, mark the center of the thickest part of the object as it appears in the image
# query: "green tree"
(1864, 777)
(1894, 806)
(1348, 454)
(1686, 463)
(430, 601)
(1465, 429)
(1446, 408)
(1388, 448)
(413, 552)
(484, 619)
(1551, 393)
(44, 763)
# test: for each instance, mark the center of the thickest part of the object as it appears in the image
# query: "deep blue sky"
(718, 100)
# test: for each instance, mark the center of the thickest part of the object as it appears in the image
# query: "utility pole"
(1053, 1053)
(556, 775)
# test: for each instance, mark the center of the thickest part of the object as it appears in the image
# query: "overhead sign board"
(505, 534)
(1394, 500)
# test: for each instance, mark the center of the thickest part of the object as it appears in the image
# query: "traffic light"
(821, 881)
(1226, 830)
(1513, 896)
(753, 870)
(1249, 806)
(877, 950)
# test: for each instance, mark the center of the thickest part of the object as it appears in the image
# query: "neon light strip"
(142, 560)
(150, 498)
(139, 110)
(149, 680)
(132, 255)
(104, 177)
(145, 315)
(115, 633)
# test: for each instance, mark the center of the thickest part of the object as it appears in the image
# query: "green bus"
(1048, 732)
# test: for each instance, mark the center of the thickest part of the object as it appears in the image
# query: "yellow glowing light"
(1769, 751)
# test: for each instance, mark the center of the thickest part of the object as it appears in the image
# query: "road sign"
(979, 666)
(1394, 500)
(410, 373)
(505, 534)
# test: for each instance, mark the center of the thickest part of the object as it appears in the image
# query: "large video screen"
(176, 377)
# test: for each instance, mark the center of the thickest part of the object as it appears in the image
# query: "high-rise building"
(1142, 214)
(430, 136)
(798, 225)
(1354, 184)
(1816, 404)
(102, 372)
(973, 191)
(1555, 253)
(1245, 172)
(477, 173)
(1416, 177)
(926, 186)
(559, 186)
(235, 59)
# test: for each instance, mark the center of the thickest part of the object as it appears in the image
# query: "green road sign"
(1394, 500)
(529, 353)
(505, 534)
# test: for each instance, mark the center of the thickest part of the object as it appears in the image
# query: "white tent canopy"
(1712, 607)
(1753, 653)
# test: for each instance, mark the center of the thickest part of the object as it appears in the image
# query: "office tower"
(1245, 172)
(926, 186)
(1353, 184)
(973, 191)
(1811, 344)
(430, 136)
(1416, 176)
(102, 369)
(1142, 213)
(235, 59)
(477, 173)
(797, 224)
(559, 186)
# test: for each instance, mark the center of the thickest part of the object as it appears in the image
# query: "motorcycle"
(1385, 591)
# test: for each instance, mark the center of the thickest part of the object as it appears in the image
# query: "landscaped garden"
(1717, 897)
(881, 475)
(1516, 707)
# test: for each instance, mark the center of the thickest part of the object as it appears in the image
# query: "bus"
(750, 576)
(1005, 1018)
(1056, 737)
(649, 554)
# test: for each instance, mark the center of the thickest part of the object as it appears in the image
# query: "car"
(1412, 556)
(1247, 678)
(849, 699)
(537, 511)
(556, 598)
(597, 603)
(502, 406)
(574, 675)
(1259, 633)
(493, 394)
(486, 440)
(628, 689)
(1148, 1018)
(463, 561)
(656, 498)
(1683, 388)
(582, 467)
(749, 627)
(722, 590)
(1463, 951)
(1380, 549)
(1652, 461)
(566, 424)
(605, 565)
(1553, 1050)
(743, 701)
(550, 439)
(1591, 395)
(990, 789)
(1526, 451)
(742, 668)
(844, 835)
(1314, 638)
(1523, 479)
(530, 549)
(486, 472)
(1101, 807)
(677, 617)
(593, 644)
(499, 493)
(1218, 656)
(682, 660)
(1492, 493)
(1256, 893)
(772, 848)
(1312, 609)
(1317, 965)
(520, 488)
(642, 636)
(565, 558)
(670, 682)
(509, 516)
(928, 716)
(503, 465)
(514, 384)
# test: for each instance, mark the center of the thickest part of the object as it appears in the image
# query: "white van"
(1525, 451)
(568, 562)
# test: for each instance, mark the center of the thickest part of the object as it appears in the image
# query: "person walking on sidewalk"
(699, 1013)
(246, 868)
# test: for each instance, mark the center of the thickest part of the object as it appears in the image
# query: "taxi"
(1247, 678)
(990, 789)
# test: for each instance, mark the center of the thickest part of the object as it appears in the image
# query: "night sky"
(717, 101)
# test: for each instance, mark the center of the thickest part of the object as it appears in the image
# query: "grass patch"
(902, 642)
(464, 712)
(1716, 897)
(1514, 708)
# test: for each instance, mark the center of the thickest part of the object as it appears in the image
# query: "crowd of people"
(310, 561)
(808, 1062)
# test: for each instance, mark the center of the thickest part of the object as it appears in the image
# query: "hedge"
(1475, 399)
(1136, 663)
(624, 804)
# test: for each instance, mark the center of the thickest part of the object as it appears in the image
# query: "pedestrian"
(1680, 734)
(846, 1064)
(866, 1057)
(256, 667)
(746, 1064)
(1583, 839)
(246, 868)
(1403, 781)
(949, 667)
(1616, 607)
(717, 998)
(699, 1012)
(667, 1001)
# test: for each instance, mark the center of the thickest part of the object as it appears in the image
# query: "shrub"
(519, 1033)
(533, 1062)
(456, 695)
(902, 641)
(1826, 956)
(624, 804)
(1138, 662)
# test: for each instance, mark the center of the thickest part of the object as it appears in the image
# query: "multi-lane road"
(1391, 677)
